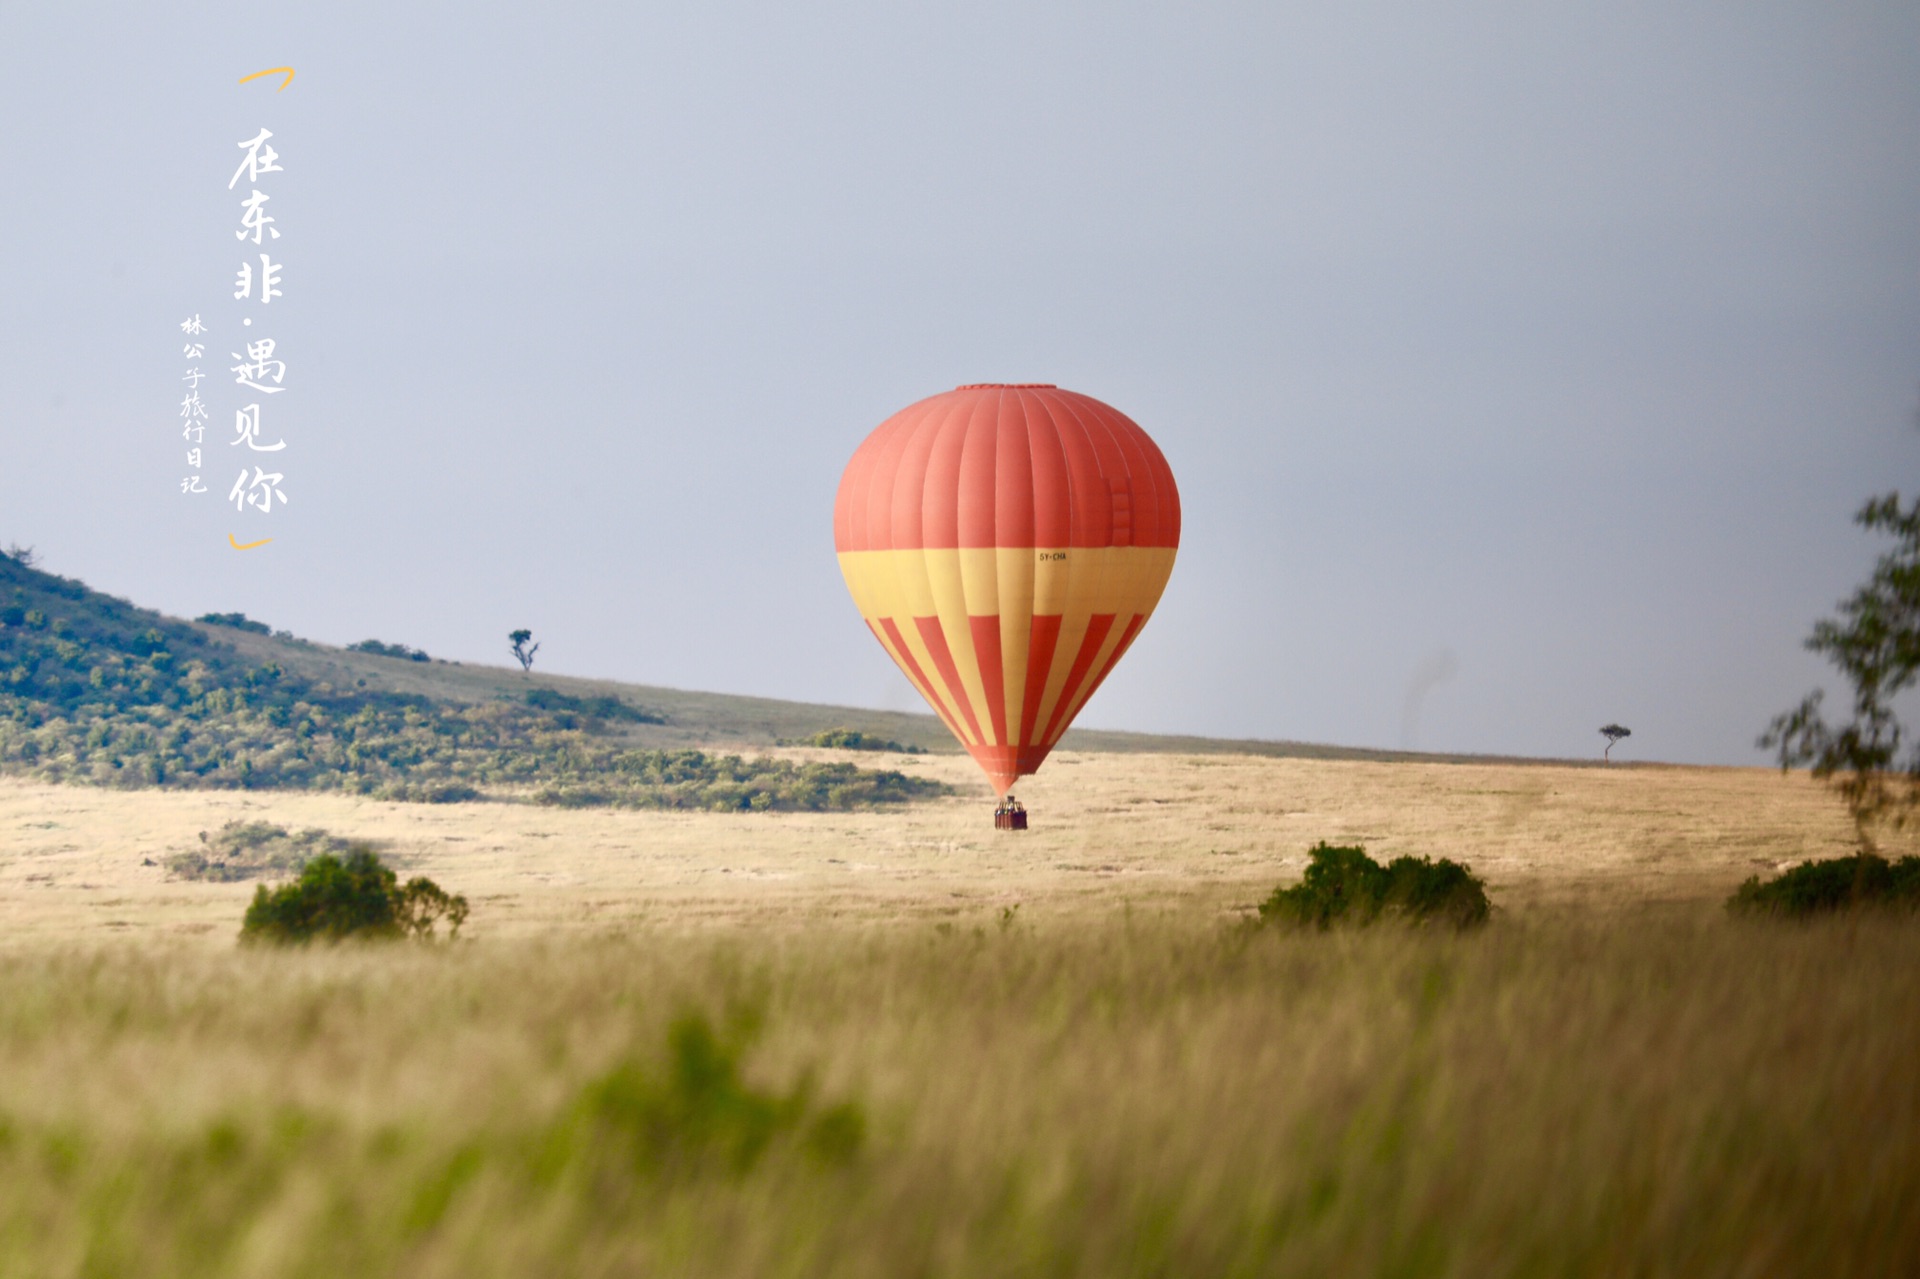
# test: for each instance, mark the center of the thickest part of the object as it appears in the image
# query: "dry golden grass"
(1121, 1077)
(1213, 831)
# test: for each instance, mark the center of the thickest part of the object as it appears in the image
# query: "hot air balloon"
(1005, 544)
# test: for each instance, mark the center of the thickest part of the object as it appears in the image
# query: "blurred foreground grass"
(1673, 1093)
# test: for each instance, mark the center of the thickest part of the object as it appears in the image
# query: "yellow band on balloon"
(946, 606)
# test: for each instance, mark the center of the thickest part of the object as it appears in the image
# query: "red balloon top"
(994, 464)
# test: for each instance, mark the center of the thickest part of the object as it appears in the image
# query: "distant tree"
(1875, 641)
(24, 556)
(520, 649)
(1613, 733)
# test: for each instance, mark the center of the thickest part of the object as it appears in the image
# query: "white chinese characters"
(269, 281)
(257, 364)
(261, 158)
(263, 492)
(246, 430)
(254, 219)
(260, 373)
(193, 409)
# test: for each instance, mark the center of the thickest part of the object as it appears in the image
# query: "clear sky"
(1521, 365)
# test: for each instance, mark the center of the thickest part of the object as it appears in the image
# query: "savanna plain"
(894, 1042)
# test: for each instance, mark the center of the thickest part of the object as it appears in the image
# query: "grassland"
(1212, 834)
(862, 1034)
(1061, 1053)
(1145, 1093)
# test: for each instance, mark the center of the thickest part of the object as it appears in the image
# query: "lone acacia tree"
(1875, 641)
(520, 649)
(1613, 733)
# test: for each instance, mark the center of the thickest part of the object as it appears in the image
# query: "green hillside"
(94, 689)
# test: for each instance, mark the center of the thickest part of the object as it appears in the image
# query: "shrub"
(691, 779)
(422, 904)
(427, 792)
(1837, 883)
(235, 621)
(852, 739)
(572, 797)
(450, 793)
(379, 649)
(355, 896)
(567, 710)
(1344, 885)
(250, 850)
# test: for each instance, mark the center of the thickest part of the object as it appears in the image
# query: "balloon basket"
(1009, 815)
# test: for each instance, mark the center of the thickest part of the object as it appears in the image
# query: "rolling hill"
(734, 721)
(94, 688)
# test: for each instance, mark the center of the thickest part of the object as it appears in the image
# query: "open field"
(962, 1053)
(1211, 833)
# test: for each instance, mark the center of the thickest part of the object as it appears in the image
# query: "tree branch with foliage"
(1875, 642)
(520, 651)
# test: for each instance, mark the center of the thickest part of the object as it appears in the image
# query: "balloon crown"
(1007, 386)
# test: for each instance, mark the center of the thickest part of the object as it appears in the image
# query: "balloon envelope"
(1005, 544)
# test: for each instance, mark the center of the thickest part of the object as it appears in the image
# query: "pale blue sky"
(1531, 356)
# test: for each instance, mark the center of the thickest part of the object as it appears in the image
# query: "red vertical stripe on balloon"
(1044, 634)
(913, 668)
(986, 647)
(1142, 482)
(976, 519)
(1097, 630)
(902, 515)
(936, 641)
(1013, 476)
(939, 496)
(1113, 658)
(1048, 478)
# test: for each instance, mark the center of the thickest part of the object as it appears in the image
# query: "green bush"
(379, 649)
(691, 779)
(568, 710)
(356, 896)
(852, 739)
(235, 621)
(1344, 885)
(1837, 883)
